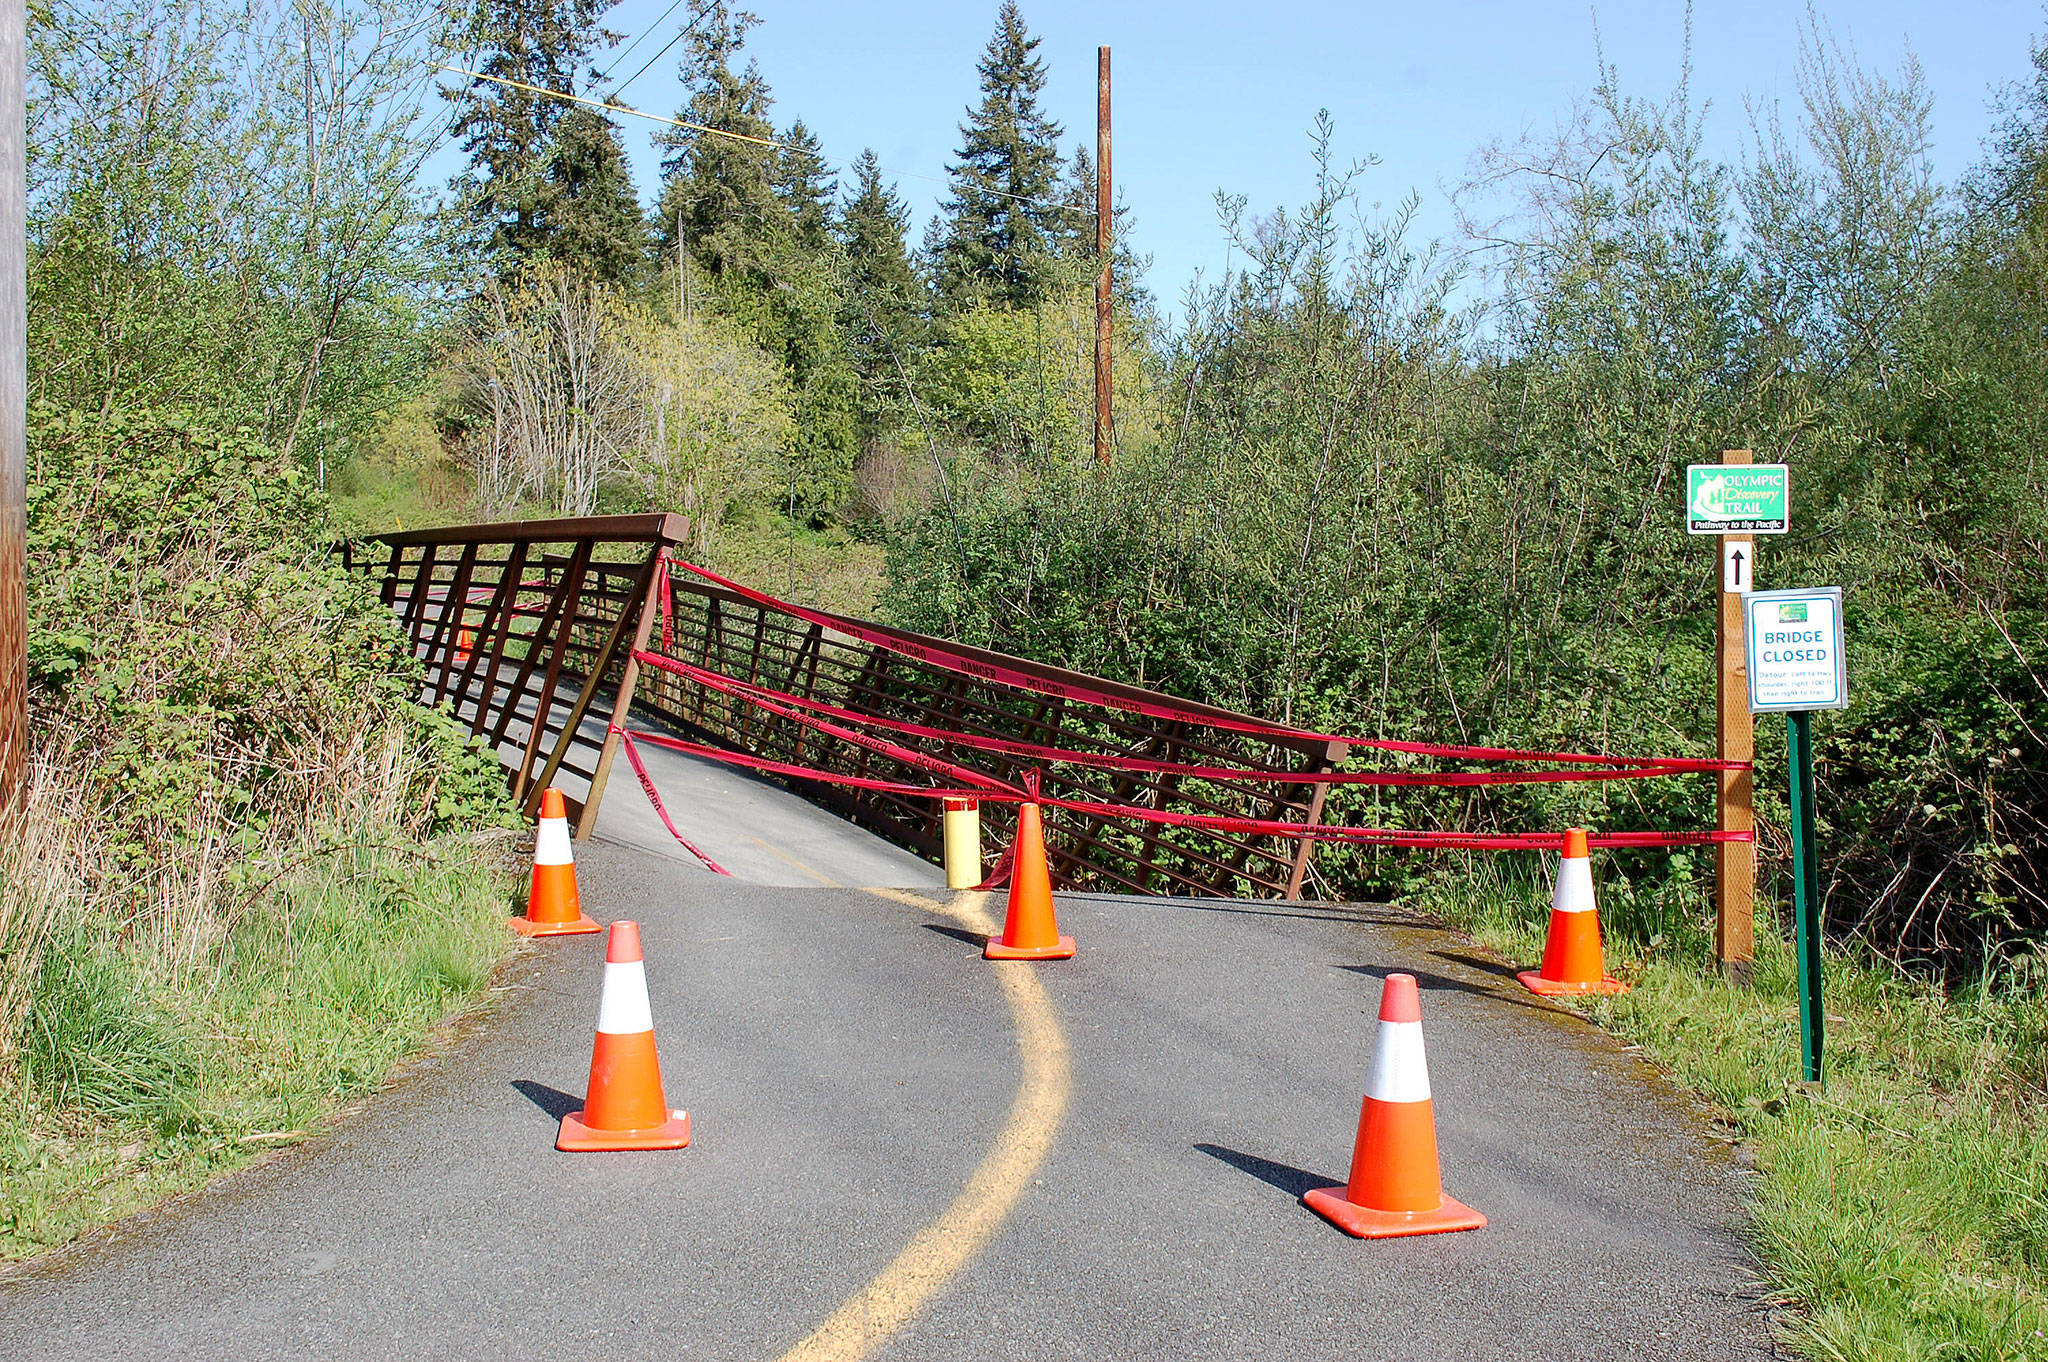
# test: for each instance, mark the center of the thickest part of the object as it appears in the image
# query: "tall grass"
(150, 1050)
(180, 993)
(1900, 1211)
(38, 863)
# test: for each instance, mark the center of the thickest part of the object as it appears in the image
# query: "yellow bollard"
(962, 820)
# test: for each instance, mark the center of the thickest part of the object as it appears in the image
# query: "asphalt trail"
(851, 1065)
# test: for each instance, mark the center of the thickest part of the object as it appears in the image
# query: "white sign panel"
(1795, 649)
(1738, 565)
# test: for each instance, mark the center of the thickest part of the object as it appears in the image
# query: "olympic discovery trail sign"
(1725, 498)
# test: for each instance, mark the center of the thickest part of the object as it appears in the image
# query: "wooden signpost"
(1735, 500)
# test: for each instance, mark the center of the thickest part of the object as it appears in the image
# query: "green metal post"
(1805, 889)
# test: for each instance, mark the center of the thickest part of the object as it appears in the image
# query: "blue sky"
(1213, 95)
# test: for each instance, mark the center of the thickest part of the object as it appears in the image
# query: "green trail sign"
(1725, 498)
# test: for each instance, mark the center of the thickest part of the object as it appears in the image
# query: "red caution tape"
(1000, 876)
(665, 594)
(924, 761)
(784, 768)
(654, 798)
(754, 692)
(965, 782)
(1394, 837)
(949, 659)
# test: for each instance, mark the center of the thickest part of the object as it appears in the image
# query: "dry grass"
(154, 1024)
(40, 866)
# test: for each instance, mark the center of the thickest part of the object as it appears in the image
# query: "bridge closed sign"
(1795, 650)
(1723, 498)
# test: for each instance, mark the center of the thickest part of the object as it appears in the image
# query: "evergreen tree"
(744, 200)
(1004, 220)
(1077, 221)
(929, 259)
(806, 186)
(586, 212)
(722, 188)
(884, 318)
(507, 132)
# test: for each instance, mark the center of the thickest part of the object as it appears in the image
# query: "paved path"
(755, 829)
(906, 1153)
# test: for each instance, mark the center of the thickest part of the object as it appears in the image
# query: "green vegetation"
(140, 1070)
(1363, 482)
(753, 252)
(1005, 222)
(1903, 1209)
(249, 877)
(167, 268)
(1343, 499)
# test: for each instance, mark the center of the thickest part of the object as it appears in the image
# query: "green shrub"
(229, 686)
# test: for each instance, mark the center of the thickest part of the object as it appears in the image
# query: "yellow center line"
(892, 1300)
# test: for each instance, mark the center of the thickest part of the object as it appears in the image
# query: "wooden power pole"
(1735, 740)
(1105, 417)
(14, 741)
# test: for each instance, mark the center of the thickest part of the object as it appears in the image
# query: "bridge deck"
(1131, 1127)
(758, 830)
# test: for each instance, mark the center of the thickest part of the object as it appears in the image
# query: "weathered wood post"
(14, 738)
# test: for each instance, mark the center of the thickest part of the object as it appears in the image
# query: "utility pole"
(1105, 416)
(1735, 740)
(14, 739)
(682, 272)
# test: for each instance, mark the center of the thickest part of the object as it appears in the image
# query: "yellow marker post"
(962, 820)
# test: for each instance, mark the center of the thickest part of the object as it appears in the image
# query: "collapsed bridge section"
(561, 643)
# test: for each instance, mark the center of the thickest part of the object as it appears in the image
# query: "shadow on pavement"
(1434, 981)
(1289, 1179)
(553, 1101)
(1334, 913)
(978, 940)
(1478, 962)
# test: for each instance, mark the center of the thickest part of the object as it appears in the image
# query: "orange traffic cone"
(1571, 953)
(1395, 1187)
(1030, 931)
(465, 639)
(552, 908)
(623, 1107)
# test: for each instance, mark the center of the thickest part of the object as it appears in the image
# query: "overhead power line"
(621, 56)
(608, 106)
(681, 34)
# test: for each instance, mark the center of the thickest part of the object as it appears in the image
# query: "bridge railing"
(518, 625)
(531, 632)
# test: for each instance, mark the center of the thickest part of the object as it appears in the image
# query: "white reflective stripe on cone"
(1399, 1072)
(1574, 892)
(623, 1010)
(551, 847)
